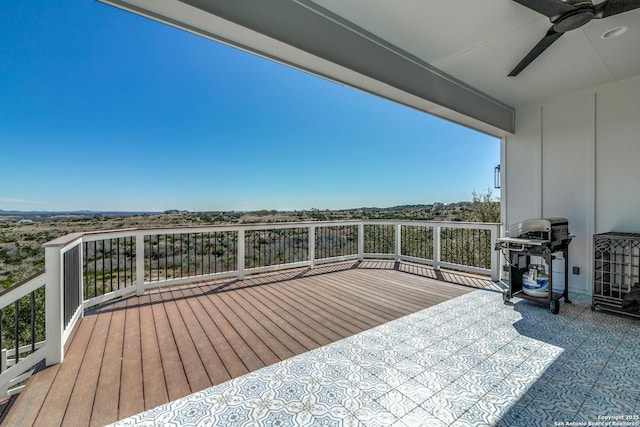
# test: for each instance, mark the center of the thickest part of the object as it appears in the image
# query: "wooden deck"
(140, 352)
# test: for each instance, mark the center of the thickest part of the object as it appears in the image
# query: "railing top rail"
(64, 240)
(22, 283)
(21, 289)
(119, 230)
(90, 236)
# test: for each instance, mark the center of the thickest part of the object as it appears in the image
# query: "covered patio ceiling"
(450, 58)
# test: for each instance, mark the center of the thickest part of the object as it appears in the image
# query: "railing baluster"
(85, 270)
(201, 257)
(111, 265)
(131, 253)
(103, 267)
(209, 248)
(17, 331)
(260, 251)
(95, 268)
(173, 255)
(190, 246)
(240, 248)
(33, 321)
(181, 254)
(215, 253)
(118, 259)
(157, 257)
(165, 265)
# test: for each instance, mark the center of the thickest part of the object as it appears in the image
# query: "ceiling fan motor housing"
(584, 12)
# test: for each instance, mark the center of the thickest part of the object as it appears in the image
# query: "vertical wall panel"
(618, 158)
(522, 164)
(567, 177)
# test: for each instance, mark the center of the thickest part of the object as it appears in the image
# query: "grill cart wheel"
(554, 306)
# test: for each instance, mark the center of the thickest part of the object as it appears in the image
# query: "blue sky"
(104, 110)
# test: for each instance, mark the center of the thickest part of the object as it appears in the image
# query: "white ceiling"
(479, 42)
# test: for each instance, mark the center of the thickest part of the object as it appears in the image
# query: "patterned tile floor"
(470, 361)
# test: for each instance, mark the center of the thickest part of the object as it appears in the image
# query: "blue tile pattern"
(470, 361)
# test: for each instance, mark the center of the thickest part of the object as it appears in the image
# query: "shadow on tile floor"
(592, 366)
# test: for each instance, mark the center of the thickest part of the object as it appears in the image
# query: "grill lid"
(543, 233)
(528, 226)
(540, 228)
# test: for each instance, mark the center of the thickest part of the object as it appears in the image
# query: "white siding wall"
(618, 158)
(577, 157)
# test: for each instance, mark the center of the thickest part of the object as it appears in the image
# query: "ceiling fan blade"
(542, 45)
(549, 8)
(614, 7)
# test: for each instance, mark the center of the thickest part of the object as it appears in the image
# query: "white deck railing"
(87, 269)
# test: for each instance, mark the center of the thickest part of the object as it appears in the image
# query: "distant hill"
(80, 212)
(393, 209)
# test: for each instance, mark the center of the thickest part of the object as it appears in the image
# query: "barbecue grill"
(540, 238)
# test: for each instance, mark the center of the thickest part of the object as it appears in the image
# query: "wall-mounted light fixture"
(496, 177)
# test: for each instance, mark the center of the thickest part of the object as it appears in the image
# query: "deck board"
(140, 352)
(105, 406)
(307, 319)
(54, 406)
(39, 386)
(277, 341)
(216, 371)
(79, 408)
(172, 366)
(131, 397)
(239, 347)
(154, 385)
(232, 363)
(358, 299)
(196, 375)
(305, 341)
(345, 301)
(242, 331)
(329, 317)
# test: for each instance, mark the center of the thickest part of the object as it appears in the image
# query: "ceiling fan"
(568, 15)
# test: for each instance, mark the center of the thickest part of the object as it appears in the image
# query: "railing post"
(361, 241)
(495, 258)
(312, 246)
(398, 241)
(240, 254)
(140, 264)
(54, 304)
(436, 247)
